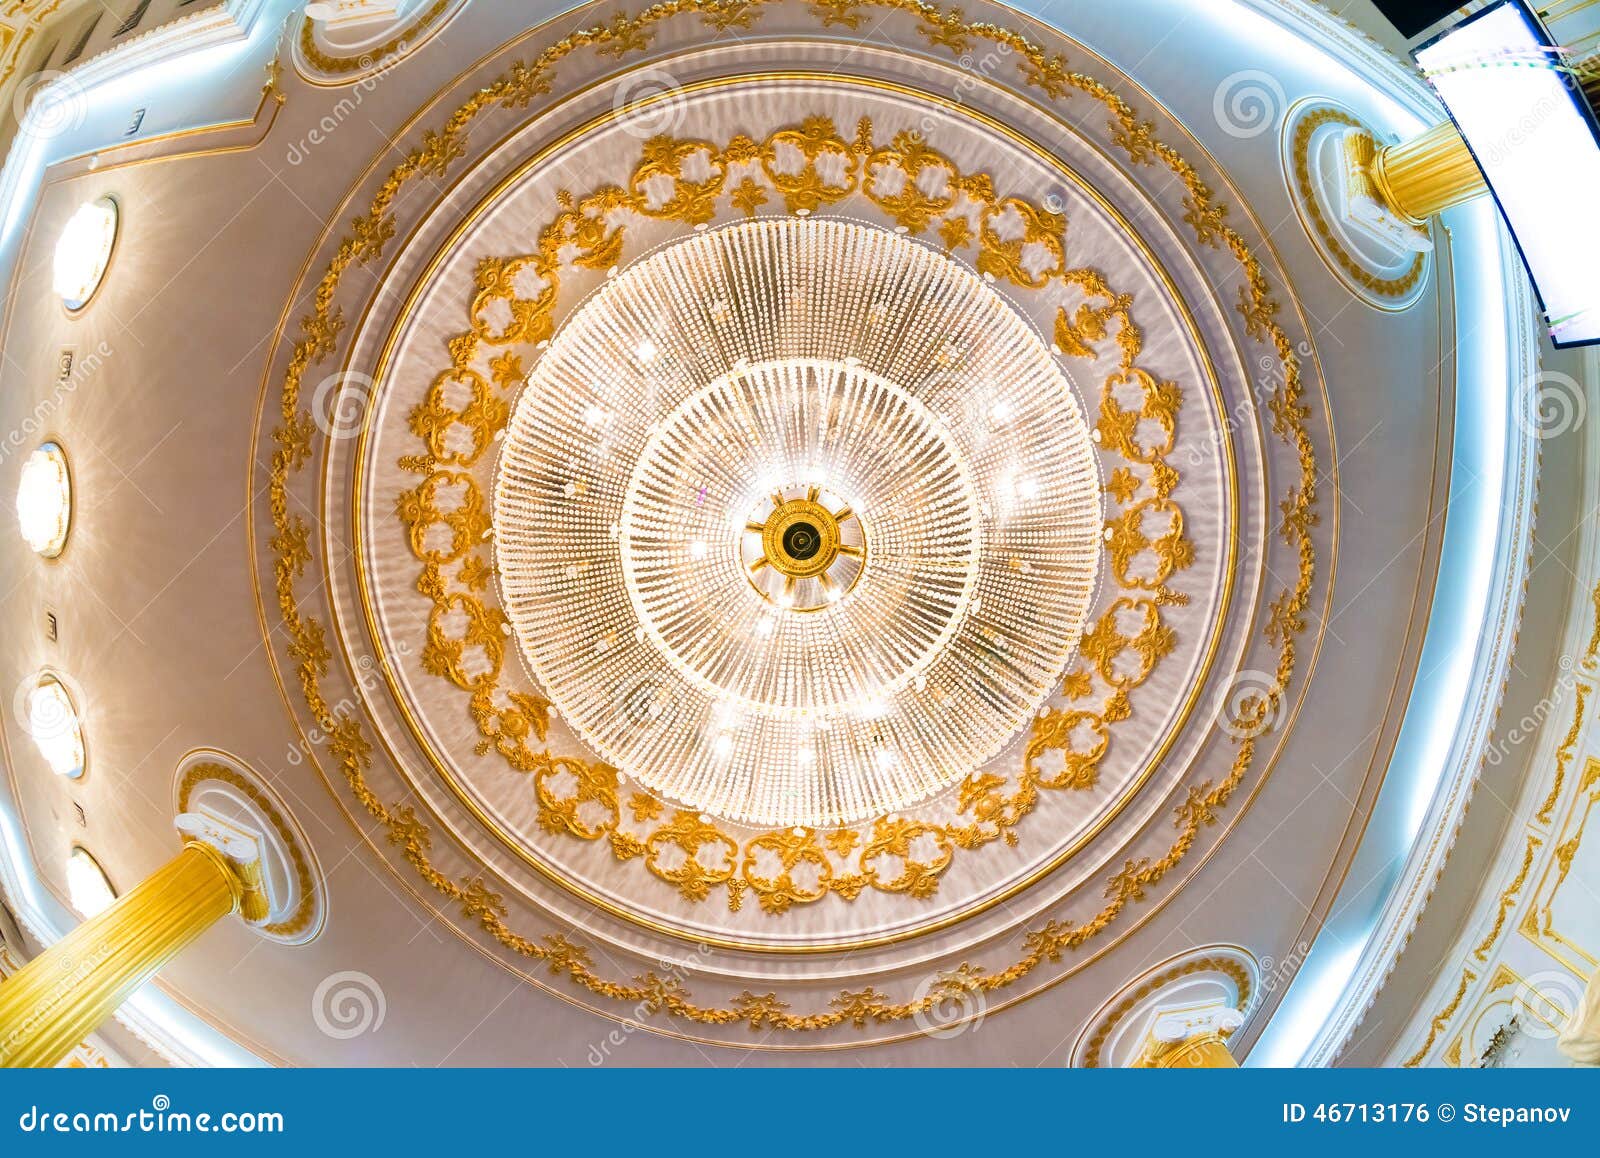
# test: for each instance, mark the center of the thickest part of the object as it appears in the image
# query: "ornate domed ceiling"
(791, 526)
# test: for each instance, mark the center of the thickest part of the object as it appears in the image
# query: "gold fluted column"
(60, 997)
(1427, 174)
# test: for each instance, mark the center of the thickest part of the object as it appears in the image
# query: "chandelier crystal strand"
(797, 522)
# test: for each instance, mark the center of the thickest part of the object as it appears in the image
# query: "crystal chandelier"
(797, 521)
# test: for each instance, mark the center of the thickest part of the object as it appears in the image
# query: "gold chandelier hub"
(808, 535)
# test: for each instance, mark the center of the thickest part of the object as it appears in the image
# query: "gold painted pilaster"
(1427, 174)
(60, 997)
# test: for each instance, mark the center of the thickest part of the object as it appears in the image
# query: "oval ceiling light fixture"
(44, 500)
(83, 251)
(56, 729)
(89, 891)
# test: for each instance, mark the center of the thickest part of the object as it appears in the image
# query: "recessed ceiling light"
(44, 500)
(83, 251)
(88, 890)
(55, 727)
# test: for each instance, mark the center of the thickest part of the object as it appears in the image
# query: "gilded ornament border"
(1109, 1021)
(1537, 922)
(650, 992)
(1393, 292)
(516, 845)
(588, 222)
(296, 922)
(377, 57)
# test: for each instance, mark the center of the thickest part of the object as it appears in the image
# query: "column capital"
(238, 851)
(1191, 1039)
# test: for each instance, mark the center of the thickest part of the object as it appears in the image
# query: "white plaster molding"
(1359, 52)
(1490, 675)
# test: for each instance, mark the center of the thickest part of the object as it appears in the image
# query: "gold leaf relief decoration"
(804, 166)
(348, 745)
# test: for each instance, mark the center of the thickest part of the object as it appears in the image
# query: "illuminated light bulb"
(83, 251)
(44, 500)
(55, 727)
(697, 549)
(88, 890)
(595, 416)
(646, 352)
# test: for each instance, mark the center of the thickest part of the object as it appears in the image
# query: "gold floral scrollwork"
(436, 421)
(846, 13)
(1145, 561)
(1077, 331)
(583, 233)
(812, 165)
(1126, 430)
(923, 851)
(508, 728)
(787, 867)
(1078, 739)
(676, 852)
(576, 797)
(911, 182)
(514, 299)
(467, 521)
(678, 179)
(1124, 653)
(478, 649)
(1021, 243)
